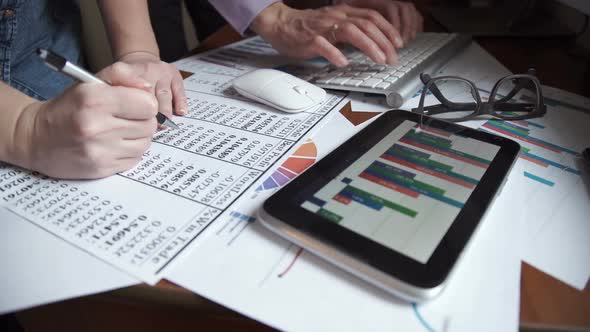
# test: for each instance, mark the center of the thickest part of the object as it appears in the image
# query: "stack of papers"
(251, 270)
(39, 268)
(223, 164)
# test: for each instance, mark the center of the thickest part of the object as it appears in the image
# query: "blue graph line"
(421, 319)
(534, 124)
(539, 179)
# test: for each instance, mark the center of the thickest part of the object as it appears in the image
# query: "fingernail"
(147, 85)
(381, 57)
(399, 42)
(182, 111)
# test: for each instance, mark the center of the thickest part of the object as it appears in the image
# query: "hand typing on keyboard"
(376, 27)
(402, 15)
(427, 53)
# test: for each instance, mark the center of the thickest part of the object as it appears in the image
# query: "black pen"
(60, 64)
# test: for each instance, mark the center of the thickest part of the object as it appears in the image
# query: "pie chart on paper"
(298, 162)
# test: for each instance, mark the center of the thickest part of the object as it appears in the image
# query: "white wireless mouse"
(279, 90)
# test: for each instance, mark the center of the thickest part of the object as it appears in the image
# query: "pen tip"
(172, 125)
(163, 120)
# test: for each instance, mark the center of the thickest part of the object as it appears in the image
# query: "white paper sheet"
(247, 268)
(141, 219)
(557, 190)
(556, 182)
(561, 98)
(39, 268)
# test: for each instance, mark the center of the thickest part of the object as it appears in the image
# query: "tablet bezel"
(285, 205)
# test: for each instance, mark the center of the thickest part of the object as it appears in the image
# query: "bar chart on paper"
(550, 158)
(556, 183)
(557, 189)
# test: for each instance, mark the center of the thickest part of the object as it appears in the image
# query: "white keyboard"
(427, 53)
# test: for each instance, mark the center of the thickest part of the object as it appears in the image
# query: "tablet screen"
(406, 191)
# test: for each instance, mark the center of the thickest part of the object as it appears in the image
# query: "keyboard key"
(326, 74)
(371, 82)
(391, 69)
(391, 79)
(380, 75)
(378, 68)
(360, 67)
(362, 76)
(338, 71)
(323, 80)
(383, 85)
(339, 80)
(352, 82)
(347, 75)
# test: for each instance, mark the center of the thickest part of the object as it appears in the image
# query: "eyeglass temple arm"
(512, 107)
(441, 108)
(502, 107)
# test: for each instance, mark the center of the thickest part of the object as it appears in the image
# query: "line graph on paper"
(301, 159)
(237, 224)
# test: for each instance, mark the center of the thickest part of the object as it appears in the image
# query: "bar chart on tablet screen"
(406, 191)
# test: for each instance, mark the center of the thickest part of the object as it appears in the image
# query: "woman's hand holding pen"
(133, 42)
(91, 130)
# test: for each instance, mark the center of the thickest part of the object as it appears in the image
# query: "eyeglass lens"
(459, 99)
(515, 97)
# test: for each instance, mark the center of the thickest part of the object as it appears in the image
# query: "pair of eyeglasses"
(514, 97)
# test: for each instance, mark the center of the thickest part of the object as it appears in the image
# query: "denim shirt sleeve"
(26, 25)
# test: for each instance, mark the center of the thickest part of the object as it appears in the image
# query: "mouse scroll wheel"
(301, 90)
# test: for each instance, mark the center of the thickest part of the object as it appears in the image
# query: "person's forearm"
(240, 13)
(268, 18)
(128, 26)
(15, 125)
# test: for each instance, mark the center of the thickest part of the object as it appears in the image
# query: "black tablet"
(397, 203)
